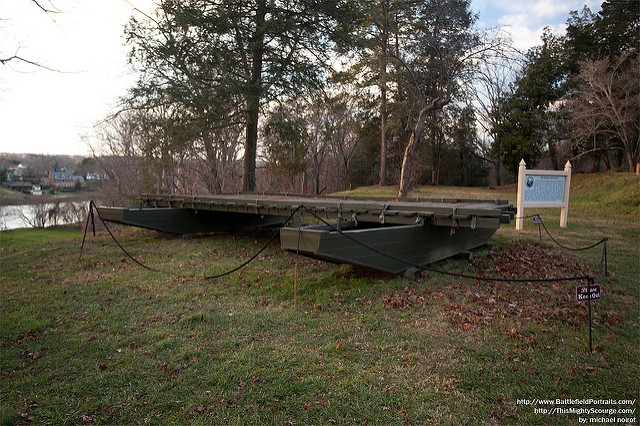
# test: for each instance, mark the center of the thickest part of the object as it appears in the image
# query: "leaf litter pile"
(468, 303)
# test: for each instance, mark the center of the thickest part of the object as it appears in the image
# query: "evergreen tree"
(521, 120)
(222, 61)
(552, 81)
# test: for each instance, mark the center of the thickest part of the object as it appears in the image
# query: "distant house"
(64, 179)
(15, 173)
(21, 169)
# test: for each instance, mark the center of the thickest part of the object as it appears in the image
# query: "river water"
(47, 214)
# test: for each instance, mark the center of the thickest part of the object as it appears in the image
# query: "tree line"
(319, 96)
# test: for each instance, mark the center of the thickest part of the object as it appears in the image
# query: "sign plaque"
(544, 189)
(583, 295)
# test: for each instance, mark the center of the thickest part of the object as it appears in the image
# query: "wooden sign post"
(543, 188)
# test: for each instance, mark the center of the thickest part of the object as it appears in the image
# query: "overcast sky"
(47, 112)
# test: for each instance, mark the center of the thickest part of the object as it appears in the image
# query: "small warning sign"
(584, 293)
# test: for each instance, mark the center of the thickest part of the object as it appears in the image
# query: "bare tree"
(608, 103)
(317, 147)
(74, 212)
(35, 215)
(491, 83)
(15, 57)
(214, 157)
(586, 137)
(115, 149)
(341, 138)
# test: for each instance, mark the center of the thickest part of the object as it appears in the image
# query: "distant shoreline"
(9, 197)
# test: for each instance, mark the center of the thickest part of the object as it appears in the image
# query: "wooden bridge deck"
(438, 212)
(419, 231)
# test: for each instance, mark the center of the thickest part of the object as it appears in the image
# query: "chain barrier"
(273, 237)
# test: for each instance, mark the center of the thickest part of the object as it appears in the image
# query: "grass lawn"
(105, 341)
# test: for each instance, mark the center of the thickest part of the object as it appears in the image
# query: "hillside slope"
(622, 188)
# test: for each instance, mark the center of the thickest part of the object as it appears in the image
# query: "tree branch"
(4, 61)
(44, 9)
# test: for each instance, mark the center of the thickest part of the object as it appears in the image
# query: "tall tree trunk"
(213, 182)
(383, 94)
(405, 174)
(405, 181)
(595, 163)
(253, 102)
(435, 172)
(606, 161)
(553, 153)
(250, 146)
(383, 136)
(631, 160)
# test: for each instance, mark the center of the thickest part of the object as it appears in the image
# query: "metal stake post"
(589, 282)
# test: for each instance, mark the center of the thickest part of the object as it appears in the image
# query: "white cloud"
(525, 37)
(526, 20)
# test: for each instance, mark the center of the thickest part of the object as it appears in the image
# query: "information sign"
(544, 189)
(583, 295)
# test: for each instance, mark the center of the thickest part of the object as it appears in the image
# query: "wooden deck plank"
(366, 210)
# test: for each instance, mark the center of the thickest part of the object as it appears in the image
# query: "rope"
(92, 205)
(526, 217)
(273, 237)
(440, 271)
(603, 259)
(300, 209)
(604, 240)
